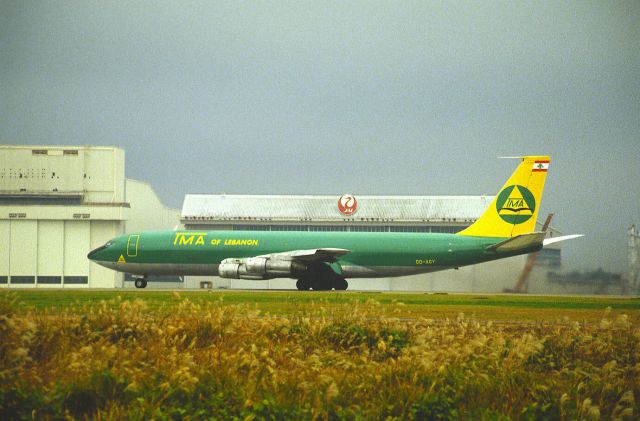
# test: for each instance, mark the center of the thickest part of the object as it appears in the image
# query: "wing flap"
(312, 255)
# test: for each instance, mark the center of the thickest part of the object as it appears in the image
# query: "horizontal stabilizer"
(519, 242)
(552, 240)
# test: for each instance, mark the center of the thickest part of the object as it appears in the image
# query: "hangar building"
(438, 214)
(59, 202)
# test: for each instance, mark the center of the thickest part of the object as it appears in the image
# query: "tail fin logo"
(515, 204)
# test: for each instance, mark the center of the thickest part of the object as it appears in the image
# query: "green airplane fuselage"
(370, 254)
(324, 260)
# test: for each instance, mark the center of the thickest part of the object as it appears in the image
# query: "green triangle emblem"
(515, 204)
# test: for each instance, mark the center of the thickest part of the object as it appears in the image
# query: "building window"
(249, 227)
(410, 229)
(370, 228)
(327, 228)
(4, 280)
(289, 228)
(444, 229)
(76, 280)
(23, 280)
(39, 152)
(49, 280)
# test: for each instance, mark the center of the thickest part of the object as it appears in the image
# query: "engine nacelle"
(256, 264)
(235, 269)
(259, 268)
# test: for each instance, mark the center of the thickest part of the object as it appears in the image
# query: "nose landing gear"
(140, 282)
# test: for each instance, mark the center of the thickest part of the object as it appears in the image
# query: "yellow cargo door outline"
(132, 245)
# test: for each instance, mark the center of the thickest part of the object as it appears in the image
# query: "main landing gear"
(321, 279)
(305, 284)
(322, 284)
(140, 281)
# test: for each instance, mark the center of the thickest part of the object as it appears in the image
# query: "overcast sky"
(366, 97)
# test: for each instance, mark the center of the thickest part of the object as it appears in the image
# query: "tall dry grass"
(123, 360)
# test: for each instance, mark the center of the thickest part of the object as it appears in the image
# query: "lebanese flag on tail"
(540, 166)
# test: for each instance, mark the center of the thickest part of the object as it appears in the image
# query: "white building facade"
(59, 202)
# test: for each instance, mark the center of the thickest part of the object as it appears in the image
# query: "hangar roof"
(225, 207)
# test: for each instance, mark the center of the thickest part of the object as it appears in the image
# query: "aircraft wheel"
(341, 285)
(303, 284)
(140, 283)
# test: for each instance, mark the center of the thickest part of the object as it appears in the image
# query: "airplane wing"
(310, 256)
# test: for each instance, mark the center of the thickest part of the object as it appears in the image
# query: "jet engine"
(258, 268)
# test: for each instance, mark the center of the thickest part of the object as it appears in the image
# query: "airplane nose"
(92, 254)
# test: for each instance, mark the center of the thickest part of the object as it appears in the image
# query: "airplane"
(325, 260)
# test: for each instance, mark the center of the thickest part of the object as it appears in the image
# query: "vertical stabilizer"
(515, 209)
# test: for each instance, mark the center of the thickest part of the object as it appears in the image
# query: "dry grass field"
(291, 355)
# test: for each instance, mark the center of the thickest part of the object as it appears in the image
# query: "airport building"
(428, 214)
(59, 202)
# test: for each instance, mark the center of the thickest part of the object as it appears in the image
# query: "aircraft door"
(132, 245)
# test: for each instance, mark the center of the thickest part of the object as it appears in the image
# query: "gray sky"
(366, 97)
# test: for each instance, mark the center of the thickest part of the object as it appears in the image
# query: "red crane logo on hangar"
(347, 204)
